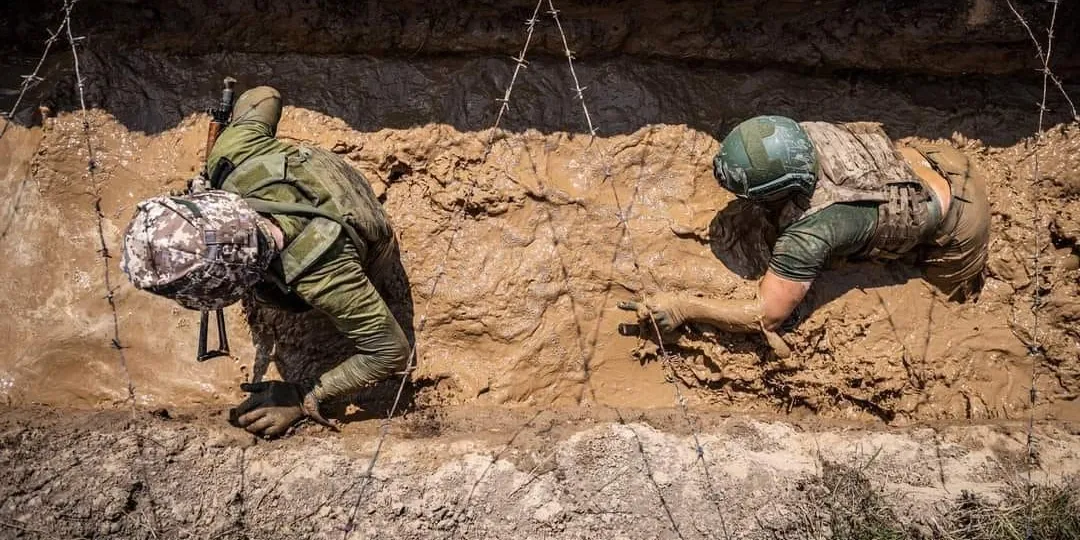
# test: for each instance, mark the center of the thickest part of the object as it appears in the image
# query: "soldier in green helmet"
(292, 227)
(840, 191)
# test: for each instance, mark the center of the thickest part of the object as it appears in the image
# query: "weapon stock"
(223, 338)
(219, 118)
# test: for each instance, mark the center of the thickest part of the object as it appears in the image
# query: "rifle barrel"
(219, 117)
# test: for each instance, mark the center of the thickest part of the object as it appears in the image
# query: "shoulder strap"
(309, 246)
(271, 207)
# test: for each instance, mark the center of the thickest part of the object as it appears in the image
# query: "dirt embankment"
(562, 473)
(519, 421)
(523, 309)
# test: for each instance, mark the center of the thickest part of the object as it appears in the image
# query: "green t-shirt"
(805, 248)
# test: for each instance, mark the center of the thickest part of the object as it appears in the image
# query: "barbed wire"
(623, 219)
(31, 80)
(455, 226)
(455, 229)
(666, 357)
(91, 171)
(28, 82)
(1044, 58)
(384, 425)
(519, 63)
(106, 259)
(582, 338)
(578, 89)
(647, 470)
(623, 216)
(1036, 352)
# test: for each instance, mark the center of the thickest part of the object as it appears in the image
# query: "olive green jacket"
(325, 262)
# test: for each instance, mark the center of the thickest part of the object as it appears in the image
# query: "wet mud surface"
(527, 275)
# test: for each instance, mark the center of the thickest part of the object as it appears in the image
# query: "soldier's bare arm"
(779, 298)
(670, 311)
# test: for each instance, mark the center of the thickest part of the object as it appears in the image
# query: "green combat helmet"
(767, 159)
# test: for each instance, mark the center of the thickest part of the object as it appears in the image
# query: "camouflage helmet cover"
(767, 158)
(203, 250)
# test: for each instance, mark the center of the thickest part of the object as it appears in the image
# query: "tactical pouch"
(900, 221)
(335, 198)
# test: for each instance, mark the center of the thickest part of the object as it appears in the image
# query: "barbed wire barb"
(578, 89)
(1044, 58)
(31, 80)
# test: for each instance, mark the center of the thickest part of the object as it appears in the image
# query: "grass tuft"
(841, 503)
(1049, 512)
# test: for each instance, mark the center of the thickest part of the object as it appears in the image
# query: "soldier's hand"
(198, 184)
(273, 407)
(777, 344)
(665, 309)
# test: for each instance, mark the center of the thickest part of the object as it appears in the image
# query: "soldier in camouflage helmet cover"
(293, 227)
(840, 191)
(204, 251)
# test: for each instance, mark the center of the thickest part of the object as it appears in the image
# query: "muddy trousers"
(955, 258)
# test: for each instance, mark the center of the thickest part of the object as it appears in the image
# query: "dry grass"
(1049, 512)
(842, 504)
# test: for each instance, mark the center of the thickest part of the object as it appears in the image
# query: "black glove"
(273, 407)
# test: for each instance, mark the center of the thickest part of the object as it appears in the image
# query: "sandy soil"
(479, 474)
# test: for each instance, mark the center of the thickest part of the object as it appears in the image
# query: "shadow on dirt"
(741, 236)
(153, 92)
(376, 401)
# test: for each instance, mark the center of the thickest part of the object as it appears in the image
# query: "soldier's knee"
(262, 104)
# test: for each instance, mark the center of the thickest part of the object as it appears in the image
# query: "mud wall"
(524, 305)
